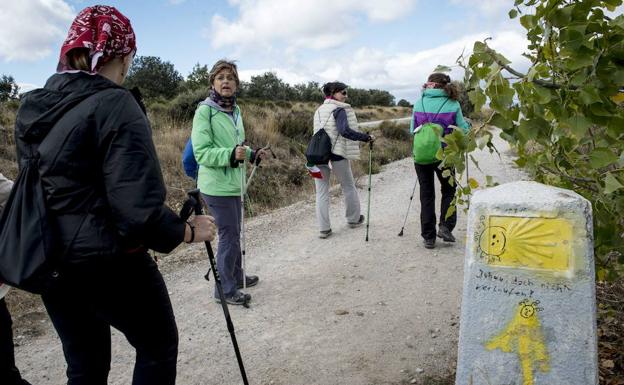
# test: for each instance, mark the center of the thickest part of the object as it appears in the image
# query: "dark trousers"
(227, 214)
(8, 371)
(425, 173)
(127, 293)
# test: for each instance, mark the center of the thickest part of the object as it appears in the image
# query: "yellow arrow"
(523, 335)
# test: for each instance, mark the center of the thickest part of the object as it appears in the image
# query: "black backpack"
(320, 146)
(30, 249)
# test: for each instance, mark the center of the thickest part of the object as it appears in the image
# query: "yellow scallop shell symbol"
(533, 243)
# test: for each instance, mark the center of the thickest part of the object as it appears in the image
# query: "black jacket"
(98, 167)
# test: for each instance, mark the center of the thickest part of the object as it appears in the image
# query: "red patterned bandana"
(104, 31)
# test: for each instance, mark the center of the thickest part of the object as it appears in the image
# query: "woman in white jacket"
(339, 121)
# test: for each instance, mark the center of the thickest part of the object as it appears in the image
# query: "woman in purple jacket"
(438, 104)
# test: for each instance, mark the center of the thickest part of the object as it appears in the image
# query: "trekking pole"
(467, 179)
(242, 236)
(193, 204)
(370, 171)
(408, 207)
(256, 165)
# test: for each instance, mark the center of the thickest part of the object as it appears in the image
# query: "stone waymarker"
(528, 310)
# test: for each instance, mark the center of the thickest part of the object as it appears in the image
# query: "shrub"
(395, 131)
(295, 125)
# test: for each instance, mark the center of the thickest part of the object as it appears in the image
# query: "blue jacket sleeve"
(342, 124)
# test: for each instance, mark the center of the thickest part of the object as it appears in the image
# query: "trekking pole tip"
(401, 233)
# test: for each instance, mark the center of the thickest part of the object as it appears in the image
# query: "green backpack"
(427, 140)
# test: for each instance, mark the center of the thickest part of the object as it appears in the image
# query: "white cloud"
(32, 29)
(287, 75)
(489, 7)
(315, 24)
(25, 87)
(401, 73)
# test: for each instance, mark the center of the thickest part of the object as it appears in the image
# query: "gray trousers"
(227, 214)
(342, 170)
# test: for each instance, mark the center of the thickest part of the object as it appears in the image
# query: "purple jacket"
(436, 107)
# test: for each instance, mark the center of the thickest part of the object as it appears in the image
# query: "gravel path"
(334, 311)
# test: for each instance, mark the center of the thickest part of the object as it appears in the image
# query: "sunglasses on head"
(344, 92)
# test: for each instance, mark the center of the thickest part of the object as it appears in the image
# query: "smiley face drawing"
(492, 241)
(528, 308)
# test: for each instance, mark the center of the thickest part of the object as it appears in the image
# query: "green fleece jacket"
(215, 136)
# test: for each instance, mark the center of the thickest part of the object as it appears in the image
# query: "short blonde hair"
(224, 64)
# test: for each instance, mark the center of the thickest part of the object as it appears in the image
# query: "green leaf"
(528, 21)
(601, 274)
(589, 95)
(472, 182)
(544, 95)
(578, 125)
(599, 110)
(619, 21)
(451, 210)
(580, 59)
(602, 157)
(477, 97)
(479, 47)
(500, 121)
(521, 162)
(530, 129)
(611, 184)
(562, 17)
(513, 13)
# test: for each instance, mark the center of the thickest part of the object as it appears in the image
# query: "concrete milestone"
(528, 309)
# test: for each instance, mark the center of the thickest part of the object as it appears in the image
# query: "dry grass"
(610, 298)
(286, 127)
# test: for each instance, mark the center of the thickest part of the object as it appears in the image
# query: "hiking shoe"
(325, 233)
(430, 243)
(445, 234)
(239, 298)
(250, 280)
(353, 225)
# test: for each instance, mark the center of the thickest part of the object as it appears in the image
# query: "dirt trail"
(334, 311)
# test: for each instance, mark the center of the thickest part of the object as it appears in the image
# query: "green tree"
(404, 103)
(155, 78)
(269, 86)
(8, 88)
(561, 115)
(309, 92)
(198, 78)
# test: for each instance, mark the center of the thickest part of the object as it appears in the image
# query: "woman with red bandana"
(105, 192)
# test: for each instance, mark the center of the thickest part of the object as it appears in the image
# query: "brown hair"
(78, 59)
(443, 81)
(222, 65)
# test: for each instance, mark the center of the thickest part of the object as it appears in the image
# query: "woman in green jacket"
(218, 144)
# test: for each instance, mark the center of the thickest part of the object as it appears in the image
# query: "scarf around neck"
(222, 101)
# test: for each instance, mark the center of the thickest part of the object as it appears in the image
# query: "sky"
(391, 45)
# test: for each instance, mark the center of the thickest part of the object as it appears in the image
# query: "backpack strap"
(422, 100)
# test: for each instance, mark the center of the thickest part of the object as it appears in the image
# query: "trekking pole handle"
(195, 200)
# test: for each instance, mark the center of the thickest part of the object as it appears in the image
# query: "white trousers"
(342, 171)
